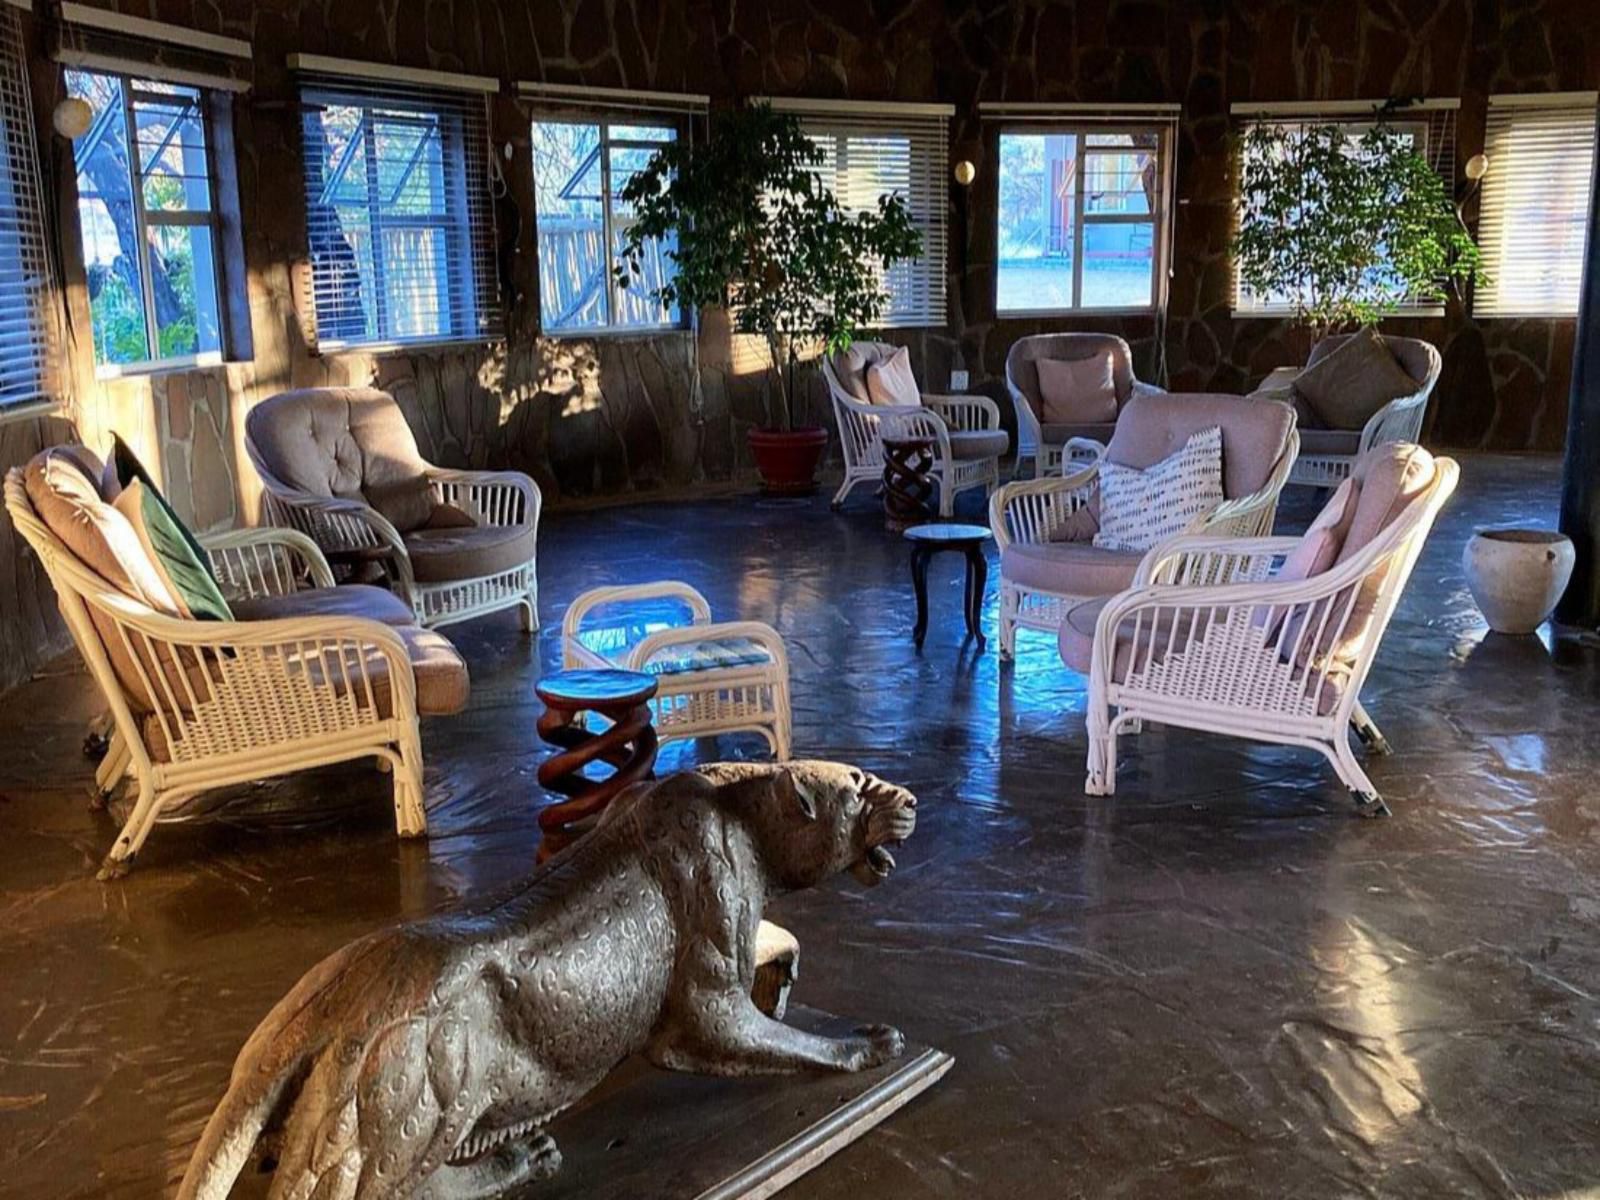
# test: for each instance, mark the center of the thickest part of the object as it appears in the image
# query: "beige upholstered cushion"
(1318, 548)
(891, 381)
(448, 555)
(1254, 433)
(1078, 391)
(850, 366)
(347, 600)
(967, 445)
(1141, 508)
(353, 443)
(1349, 383)
(1069, 568)
(406, 504)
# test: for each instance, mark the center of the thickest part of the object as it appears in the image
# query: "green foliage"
(1345, 229)
(759, 234)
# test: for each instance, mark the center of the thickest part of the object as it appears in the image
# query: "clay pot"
(1517, 575)
(788, 458)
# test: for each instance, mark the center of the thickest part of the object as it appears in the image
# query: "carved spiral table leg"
(628, 745)
(907, 482)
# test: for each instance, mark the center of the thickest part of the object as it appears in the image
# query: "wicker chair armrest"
(340, 526)
(965, 412)
(266, 560)
(914, 421)
(1199, 560)
(1030, 510)
(499, 498)
(1069, 464)
(764, 635)
(1400, 420)
(596, 598)
(1140, 388)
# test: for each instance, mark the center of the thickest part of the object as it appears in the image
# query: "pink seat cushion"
(1078, 392)
(967, 445)
(1318, 548)
(347, 600)
(1254, 433)
(1069, 568)
(449, 555)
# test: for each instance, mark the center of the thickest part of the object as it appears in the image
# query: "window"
(1430, 126)
(398, 213)
(25, 281)
(1082, 215)
(580, 168)
(1535, 210)
(148, 222)
(873, 150)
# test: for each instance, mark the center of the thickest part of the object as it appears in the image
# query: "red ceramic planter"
(788, 458)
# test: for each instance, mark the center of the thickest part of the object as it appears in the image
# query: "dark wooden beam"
(1580, 476)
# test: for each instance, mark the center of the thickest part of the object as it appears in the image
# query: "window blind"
(1432, 124)
(1534, 216)
(399, 211)
(871, 150)
(26, 282)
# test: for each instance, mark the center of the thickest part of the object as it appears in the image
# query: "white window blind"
(1534, 218)
(1431, 125)
(26, 285)
(399, 215)
(871, 150)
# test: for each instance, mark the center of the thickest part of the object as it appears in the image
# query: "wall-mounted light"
(965, 173)
(1477, 167)
(72, 118)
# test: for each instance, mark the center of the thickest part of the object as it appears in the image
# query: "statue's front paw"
(875, 1045)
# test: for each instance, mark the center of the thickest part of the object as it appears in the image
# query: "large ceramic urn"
(1517, 575)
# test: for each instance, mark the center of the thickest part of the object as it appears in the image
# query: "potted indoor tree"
(752, 229)
(1346, 228)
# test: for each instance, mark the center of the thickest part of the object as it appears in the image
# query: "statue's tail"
(232, 1132)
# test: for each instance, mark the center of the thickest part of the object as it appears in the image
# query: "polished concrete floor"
(1219, 983)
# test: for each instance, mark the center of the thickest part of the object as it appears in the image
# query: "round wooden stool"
(907, 481)
(629, 745)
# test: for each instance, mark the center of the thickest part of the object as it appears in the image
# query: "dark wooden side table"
(928, 540)
(629, 746)
(907, 481)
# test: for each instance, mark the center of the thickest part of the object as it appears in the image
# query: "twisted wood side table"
(907, 481)
(629, 746)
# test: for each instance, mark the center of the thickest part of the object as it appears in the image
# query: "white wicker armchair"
(1208, 638)
(1053, 516)
(197, 705)
(965, 430)
(1326, 455)
(317, 450)
(1051, 447)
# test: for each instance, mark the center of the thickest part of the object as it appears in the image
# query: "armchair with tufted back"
(342, 466)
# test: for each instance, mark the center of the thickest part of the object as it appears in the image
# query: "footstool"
(711, 676)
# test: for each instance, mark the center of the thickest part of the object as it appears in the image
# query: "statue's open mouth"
(879, 861)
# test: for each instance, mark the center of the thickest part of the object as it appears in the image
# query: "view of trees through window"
(148, 221)
(1079, 217)
(579, 171)
(388, 221)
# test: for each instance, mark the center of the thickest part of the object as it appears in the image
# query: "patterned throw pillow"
(1141, 509)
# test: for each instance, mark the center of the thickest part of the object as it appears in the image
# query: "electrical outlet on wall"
(958, 381)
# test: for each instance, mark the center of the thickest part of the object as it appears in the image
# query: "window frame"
(477, 319)
(212, 219)
(1417, 120)
(603, 119)
(1160, 216)
(1533, 106)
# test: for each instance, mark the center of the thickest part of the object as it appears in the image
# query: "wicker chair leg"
(1369, 733)
(108, 775)
(1369, 803)
(1102, 763)
(410, 817)
(134, 832)
(1008, 623)
(528, 611)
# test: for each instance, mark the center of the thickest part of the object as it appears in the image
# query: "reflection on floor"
(1219, 983)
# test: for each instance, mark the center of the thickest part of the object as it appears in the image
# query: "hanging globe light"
(72, 118)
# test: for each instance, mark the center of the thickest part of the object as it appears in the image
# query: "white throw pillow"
(1141, 509)
(890, 381)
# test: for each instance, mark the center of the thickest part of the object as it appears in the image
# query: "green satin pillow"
(172, 548)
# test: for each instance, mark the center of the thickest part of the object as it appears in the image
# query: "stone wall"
(643, 415)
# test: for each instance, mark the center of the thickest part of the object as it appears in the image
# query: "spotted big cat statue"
(427, 1060)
